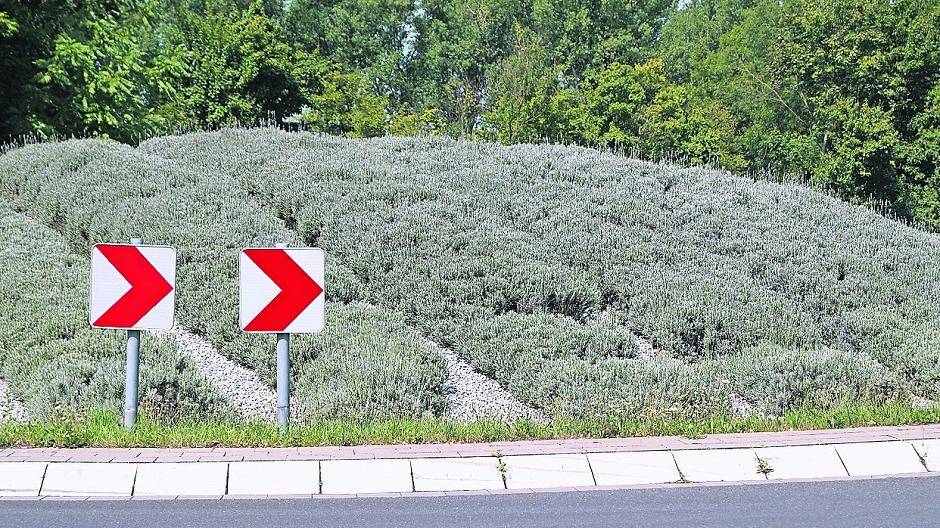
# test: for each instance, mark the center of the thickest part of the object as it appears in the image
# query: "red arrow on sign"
(148, 287)
(298, 290)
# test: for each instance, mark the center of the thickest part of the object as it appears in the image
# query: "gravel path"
(11, 408)
(472, 396)
(241, 386)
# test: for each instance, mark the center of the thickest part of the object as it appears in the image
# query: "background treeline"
(844, 94)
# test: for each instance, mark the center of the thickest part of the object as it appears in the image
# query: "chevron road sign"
(281, 290)
(132, 287)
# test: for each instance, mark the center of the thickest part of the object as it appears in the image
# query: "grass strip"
(102, 429)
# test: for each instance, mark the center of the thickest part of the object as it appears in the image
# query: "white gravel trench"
(469, 394)
(242, 387)
(11, 408)
(473, 396)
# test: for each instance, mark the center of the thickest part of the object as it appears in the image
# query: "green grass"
(102, 429)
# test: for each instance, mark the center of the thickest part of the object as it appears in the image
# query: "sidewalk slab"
(456, 474)
(76, 479)
(718, 465)
(366, 476)
(880, 458)
(797, 462)
(21, 479)
(628, 468)
(929, 450)
(296, 477)
(181, 478)
(547, 471)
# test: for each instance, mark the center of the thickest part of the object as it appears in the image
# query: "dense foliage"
(551, 269)
(364, 352)
(50, 356)
(844, 94)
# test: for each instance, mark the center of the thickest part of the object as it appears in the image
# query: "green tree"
(680, 123)
(837, 92)
(692, 32)
(240, 69)
(456, 44)
(90, 68)
(866, 71)
(520, 95)
(921, 160)
(8, 26)
(338, 103)
(638, 107)
(616, 99)
(588, 35)
(406, 122)
(364, 36)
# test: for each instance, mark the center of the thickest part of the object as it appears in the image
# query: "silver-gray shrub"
(459, 236)
(92, 191)
(358, 369)
(54, 361)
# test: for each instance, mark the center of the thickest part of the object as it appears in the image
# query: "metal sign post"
(283, 381)
(281, 292)
(132, 288)
(283, 374)
(131, 379)
(132, 372)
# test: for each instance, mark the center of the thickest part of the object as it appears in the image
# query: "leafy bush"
(53, 360)
(510, 254)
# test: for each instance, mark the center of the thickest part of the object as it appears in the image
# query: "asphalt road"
(894, 503)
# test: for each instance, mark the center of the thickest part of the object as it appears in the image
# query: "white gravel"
(919, 402)
(11, 408)
(243, 388)
(473, 396)
(469, 394)
(645, 349)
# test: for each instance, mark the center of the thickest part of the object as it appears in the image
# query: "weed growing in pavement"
(763, 466)
(500, 466)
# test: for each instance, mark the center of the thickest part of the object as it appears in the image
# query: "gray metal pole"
(283, 381)
(132, 374)
(283, 374)
(131, 379)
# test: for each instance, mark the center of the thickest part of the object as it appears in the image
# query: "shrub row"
(54, 361)
(461, 236)
(509, 255)
(92, 191)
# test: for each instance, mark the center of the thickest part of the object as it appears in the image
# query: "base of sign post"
(283, 381)
(131, 379)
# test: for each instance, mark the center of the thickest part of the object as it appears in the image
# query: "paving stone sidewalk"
(498, 467)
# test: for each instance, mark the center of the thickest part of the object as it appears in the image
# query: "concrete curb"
(461, 469)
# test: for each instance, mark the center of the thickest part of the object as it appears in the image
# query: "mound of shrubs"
(94, 191)
(543, 266)
(54, 361)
